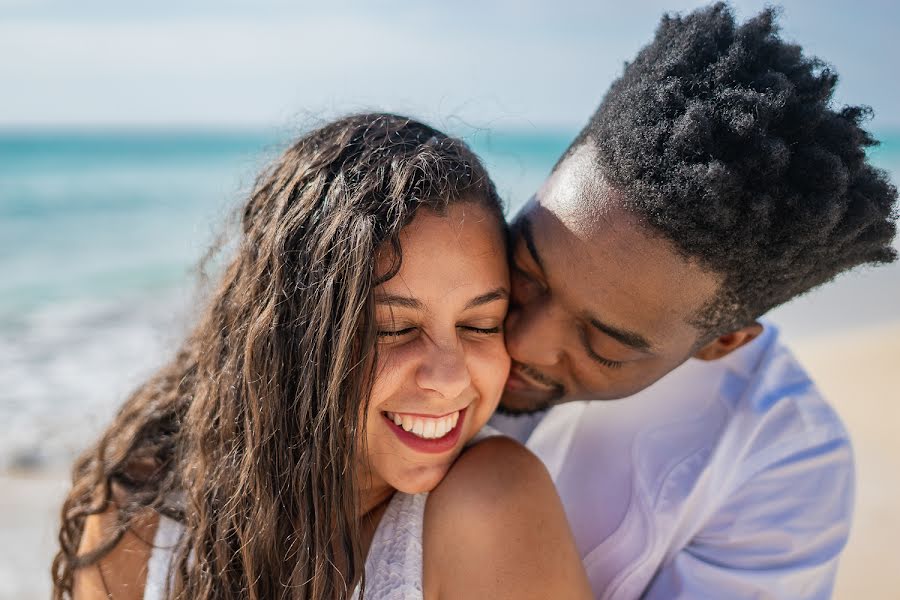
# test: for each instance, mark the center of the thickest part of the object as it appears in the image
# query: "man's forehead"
(605, 259)
(576, 191)
(594, 216)
(612, 243)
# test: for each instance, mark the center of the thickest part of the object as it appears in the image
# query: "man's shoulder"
(759, 391)
(711, 440)
(751, 408)
(770, 394)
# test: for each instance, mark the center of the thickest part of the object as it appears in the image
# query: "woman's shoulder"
(495, 527)
(121, 572)
(488, 472)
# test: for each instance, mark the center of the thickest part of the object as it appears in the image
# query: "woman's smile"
(425, 433)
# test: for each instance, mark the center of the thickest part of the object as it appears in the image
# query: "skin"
(494, 525)
(495, 528)
(601, 306)
(124, 570)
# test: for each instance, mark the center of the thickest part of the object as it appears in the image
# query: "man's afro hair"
(722, 138)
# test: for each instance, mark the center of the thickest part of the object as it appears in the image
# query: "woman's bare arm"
(495, 528)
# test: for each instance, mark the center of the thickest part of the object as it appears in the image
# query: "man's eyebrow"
(523, 226)
(394, 300)
(629, 338)
(499, 293)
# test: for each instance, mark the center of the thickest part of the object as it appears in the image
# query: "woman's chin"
(421, 481)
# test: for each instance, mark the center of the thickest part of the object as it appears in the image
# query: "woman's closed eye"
(395, 333)
(389, 333)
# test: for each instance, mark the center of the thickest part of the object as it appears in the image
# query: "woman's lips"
(429, 434)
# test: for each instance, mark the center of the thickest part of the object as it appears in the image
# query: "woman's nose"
(443, 369)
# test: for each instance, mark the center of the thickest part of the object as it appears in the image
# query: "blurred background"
(130, 131)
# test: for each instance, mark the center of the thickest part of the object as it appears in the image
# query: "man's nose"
(443, 369)
(534, 332)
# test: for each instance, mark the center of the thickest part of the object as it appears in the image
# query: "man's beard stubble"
(556, 393)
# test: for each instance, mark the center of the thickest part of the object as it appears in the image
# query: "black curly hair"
(722, 138)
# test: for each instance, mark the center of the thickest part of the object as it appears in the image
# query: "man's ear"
(727, 343)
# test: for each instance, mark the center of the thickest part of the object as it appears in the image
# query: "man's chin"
(526, 402)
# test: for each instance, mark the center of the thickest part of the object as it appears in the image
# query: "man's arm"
(777, 535)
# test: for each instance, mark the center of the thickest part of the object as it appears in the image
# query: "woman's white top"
(393, 565)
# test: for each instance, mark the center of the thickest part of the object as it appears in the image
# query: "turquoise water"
(100, 233)
(85, 215)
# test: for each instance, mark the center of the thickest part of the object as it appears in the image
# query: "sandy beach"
(859, 371)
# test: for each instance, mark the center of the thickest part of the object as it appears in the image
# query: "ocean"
(101, 233)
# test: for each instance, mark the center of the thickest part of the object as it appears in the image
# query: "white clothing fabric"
(726, 479)
(394, 564)
(167, 533)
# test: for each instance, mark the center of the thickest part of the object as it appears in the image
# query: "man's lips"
(520, 380)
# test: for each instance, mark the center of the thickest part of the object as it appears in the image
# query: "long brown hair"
(252, 431)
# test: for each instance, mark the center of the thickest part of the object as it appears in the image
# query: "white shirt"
(728, 479)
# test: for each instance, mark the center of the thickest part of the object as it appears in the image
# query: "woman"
(351, 351)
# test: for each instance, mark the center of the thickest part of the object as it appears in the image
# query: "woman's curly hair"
(250, 435)
(722, 137)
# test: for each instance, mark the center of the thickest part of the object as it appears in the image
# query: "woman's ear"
(729, 342)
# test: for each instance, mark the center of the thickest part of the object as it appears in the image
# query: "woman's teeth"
(430, 428)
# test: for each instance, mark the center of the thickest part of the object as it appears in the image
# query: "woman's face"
(442, 361)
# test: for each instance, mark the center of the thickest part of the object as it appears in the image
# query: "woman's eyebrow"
(394, 300)
(500, 293)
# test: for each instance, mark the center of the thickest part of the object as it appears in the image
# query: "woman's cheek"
(491, 364)
(392, 369)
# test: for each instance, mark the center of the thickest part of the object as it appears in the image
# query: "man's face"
(600, 308)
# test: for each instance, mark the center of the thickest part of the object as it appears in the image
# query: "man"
(714, 182)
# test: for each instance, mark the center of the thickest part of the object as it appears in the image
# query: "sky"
(516, 64)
